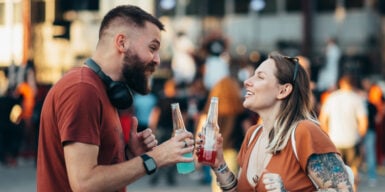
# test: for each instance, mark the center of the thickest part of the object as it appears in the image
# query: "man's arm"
(362, 125)
(85, 174)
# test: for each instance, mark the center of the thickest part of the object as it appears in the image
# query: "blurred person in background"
(328, 75)
(27, 94)
(370, 138)
(344, 117)
(143, 105)
(81, 144)
(11, 133)
(216, 64)
(279, 92)
(376, 97)
(183, 63)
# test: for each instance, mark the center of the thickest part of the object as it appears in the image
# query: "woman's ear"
(285, 90)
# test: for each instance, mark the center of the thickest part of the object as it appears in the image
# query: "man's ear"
(284, 90)
(120, 41)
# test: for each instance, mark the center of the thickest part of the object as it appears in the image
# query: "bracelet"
(231, 185)
(229, 178)
(229, 181)
(221, 168)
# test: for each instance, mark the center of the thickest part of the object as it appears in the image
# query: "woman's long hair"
(296, 106)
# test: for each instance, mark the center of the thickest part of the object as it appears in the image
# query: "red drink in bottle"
(207, 157)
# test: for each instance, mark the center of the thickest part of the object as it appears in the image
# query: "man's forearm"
(110, 177)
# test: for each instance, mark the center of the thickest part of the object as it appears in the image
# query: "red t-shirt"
(76, 109)
(310, 139)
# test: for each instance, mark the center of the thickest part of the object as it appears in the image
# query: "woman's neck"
(268, 118)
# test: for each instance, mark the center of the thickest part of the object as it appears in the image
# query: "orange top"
(310, 139)
(375, 96)
(28, 99)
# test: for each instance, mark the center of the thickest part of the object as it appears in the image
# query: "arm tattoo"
(328, 171)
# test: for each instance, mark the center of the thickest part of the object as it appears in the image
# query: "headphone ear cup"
(120, 95)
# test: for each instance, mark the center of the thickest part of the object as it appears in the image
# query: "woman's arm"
(328, 172)
(226, 179)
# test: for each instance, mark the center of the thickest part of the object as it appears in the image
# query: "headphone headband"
(96, 68)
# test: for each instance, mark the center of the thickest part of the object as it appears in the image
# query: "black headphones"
(119, 93)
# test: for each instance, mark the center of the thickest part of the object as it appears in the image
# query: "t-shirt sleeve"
(311, 139)
(79, 114)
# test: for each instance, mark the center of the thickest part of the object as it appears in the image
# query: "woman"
(279, 93)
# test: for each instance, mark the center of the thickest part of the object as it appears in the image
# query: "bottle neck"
(212, 116)
(177, 119)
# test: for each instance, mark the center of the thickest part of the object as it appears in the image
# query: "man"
(81, 145)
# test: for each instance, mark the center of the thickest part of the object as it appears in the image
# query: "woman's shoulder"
(308, 126)
(309, 131)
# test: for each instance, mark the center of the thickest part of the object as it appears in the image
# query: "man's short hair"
(130, 14)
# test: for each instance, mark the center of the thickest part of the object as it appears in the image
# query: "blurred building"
(54, 34)
(59, 34)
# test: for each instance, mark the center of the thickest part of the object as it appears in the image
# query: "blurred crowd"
(194, 74)
(19, 114)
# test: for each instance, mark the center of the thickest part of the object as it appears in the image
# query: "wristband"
(221, 168)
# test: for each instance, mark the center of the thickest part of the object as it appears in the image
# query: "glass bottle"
(210, 131)
(178, 125)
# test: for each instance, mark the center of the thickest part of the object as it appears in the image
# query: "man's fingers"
(134, 124)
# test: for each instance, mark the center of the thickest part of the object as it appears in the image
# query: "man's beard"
(134, 72)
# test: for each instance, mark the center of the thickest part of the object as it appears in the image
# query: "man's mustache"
(151, 67)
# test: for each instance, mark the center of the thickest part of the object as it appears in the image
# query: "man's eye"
(153, 48)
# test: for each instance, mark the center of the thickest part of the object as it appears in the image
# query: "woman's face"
(262, 88)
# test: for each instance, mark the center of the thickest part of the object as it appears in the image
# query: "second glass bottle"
(178, 125)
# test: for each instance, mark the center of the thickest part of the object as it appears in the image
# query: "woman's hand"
(273, 182)
(219, 148)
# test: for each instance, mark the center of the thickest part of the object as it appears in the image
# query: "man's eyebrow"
(156, 41)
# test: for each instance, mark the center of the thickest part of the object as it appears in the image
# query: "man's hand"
(140, 142)
(172, 150)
